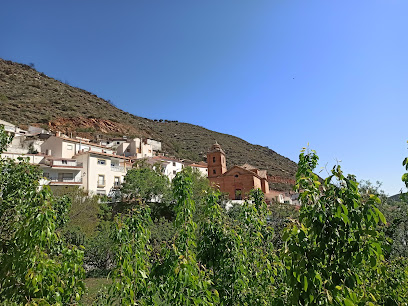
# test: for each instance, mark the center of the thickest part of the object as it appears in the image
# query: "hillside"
(31, 97)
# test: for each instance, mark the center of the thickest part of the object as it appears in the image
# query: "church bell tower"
(216, 161)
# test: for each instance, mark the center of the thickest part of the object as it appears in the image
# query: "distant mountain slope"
(396, 197)
(30, 97)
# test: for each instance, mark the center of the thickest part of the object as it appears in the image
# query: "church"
(238, 181)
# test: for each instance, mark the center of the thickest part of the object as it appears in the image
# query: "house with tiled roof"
(92, 166)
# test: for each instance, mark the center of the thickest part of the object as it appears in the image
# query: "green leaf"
(305, 283)
(143, 273)
(347, 302)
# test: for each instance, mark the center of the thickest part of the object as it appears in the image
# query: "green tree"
(239, 252)
(5, 139)
(35, 264)
(145, 183)
(179, 278)
(335, 240)
(131, 275)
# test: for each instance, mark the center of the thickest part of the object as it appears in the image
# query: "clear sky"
(276, 73)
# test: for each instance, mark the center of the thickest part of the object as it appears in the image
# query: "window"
(116, 181)
(69, 147)
(101, 162)
(238, 194)
(174, 164)
(214, 172)
(236, 175)
(46, 175)
(214, 159)
(117, 142)
(127, 150)
(174, 172)
(100, 192)
(64, 162)
(101, 180)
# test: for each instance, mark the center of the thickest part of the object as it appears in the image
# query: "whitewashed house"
(202, 168)
(112, 142)
(77, 161)
(62, 171)
(102, 172)
(13, 129)
(135, 148)
(170, 166)
(62, 147)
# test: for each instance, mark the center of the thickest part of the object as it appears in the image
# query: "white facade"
(61, 147)
(34, 159)
(112, 143)
(156, 145)
(200, 168)
(61, 171)
(135, 148)
(170, 166)
(13, 129)
(22, 144)
(102, 172)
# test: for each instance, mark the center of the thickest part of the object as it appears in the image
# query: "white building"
(102, 172)
(202, 168)
(79, 162)
(13, 129)
(136, 148)
(61, 147)
(156, 145)
(62, 171)
(34, 159)
(112, 142)
(170, 166)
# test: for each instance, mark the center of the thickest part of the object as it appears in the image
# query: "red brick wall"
(245, 181)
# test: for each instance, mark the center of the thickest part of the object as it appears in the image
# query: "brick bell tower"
(216, 161)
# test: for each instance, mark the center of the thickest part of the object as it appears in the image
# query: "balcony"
(118, 168)
(63, 164)
(64, 181)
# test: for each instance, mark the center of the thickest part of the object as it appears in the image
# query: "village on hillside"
(99, 166)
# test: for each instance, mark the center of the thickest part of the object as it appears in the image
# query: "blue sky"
(276, 73)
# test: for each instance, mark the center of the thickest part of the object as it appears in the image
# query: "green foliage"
(144, 184)
(162, 233)
(335, 239)
(130, 277)
(240, 253)
(279, 217)
(180, 279)
(35, 264)
(4, 139)
(405, 175)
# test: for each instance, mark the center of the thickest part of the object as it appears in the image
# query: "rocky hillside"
(31, 97)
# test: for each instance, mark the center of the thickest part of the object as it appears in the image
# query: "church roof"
(245, 170)
(248, 167)
(261, 173)
(216, 148)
